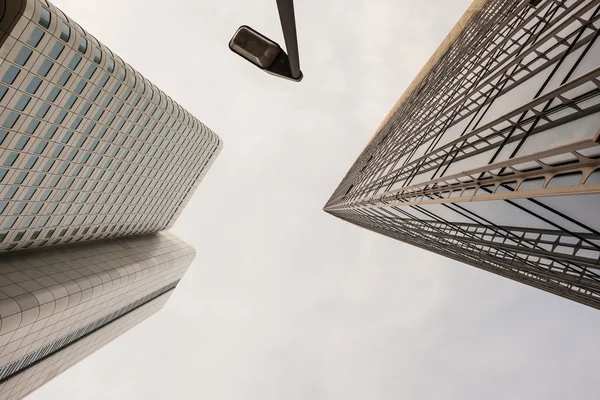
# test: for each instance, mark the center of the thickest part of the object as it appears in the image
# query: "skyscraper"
(492, 157)
(89, 150)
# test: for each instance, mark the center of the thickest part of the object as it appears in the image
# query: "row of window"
(95, 233)
(65, 35)
(45, 108)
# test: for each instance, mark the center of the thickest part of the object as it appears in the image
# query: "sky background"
(283, 300)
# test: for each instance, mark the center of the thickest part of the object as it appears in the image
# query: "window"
(111, 65)
(3, 90)
(76, 122)
(86, 107)
(36, 35)
(22, 102)
(53, 94)
(45, 67)
(97, 55)
(10, 159)
(60, 117)
(67, 136)
(33, 85)
(11, 74)
(74, 62)
(64, 78)
(23, 56)
(90, 72)
(21, 143)
(32, 126)
(45, 18)
(40, 149)
(29, 193)
(50, 132)
(71, 100)
(122, 73)
(80, 86)
(10, 193)
(82, 45)
(43, 110)
(571, 179)
(132, 80)
(65, 34)
(94, 94)
(103, 80)
(3, 135)
(31, 162)
(11, 120)
(56, 50)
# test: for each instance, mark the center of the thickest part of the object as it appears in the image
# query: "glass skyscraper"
(492, 155)
(89, 150)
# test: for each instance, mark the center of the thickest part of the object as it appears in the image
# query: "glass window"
(90, 71)
(74, 61)
(110, 65)
(67, 136)
(97, 55)
(31, 162)
(3, 135)
(45, 18)
(80, 86)
(565, 180)
(3, 90)
(65, 34)
(11, 120)
(21, 177)
(36, 35)
(20, 145)
(10, 159)
(43, 110)
(29, 193)
(56, 50)
(132, 80)
(116, 87)
(47, 168)
(40, 149)
(82, 45)
(103, 80)
(23, 56)
(53, 94)
(10, 222)
(50, 132)
(36, 208)
(94, 94)
(64, 78)
(593, 178)
(22, 102)
(60, 117)
(76, 122)
(11, 74)
(86, 107)
(33, 85)
(32, 126)
(45, 67)
(70, 101)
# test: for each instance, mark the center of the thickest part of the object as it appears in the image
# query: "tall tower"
(89, 150)
(492, 156)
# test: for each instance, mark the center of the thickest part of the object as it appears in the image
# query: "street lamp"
(267, 54)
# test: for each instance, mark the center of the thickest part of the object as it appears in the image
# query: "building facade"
(492, 155)
(89, 149)
(95, 163)
(60, 304)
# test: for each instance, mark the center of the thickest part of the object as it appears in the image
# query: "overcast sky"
(285, 301)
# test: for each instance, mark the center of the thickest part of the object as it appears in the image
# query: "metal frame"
(404, 170)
